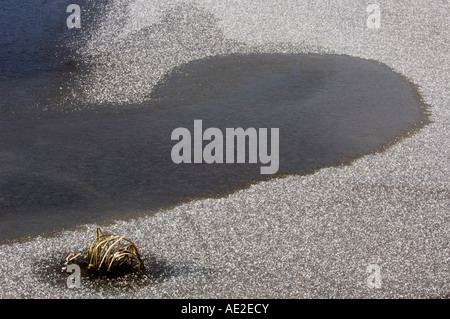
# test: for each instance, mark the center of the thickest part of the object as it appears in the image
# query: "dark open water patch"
(61, 169)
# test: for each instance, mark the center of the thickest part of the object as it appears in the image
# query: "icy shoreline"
(301, 236)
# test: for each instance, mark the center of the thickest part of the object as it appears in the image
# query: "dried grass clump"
(72, 257)
(109, 251)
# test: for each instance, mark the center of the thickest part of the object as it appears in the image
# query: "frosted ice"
(301, 236)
